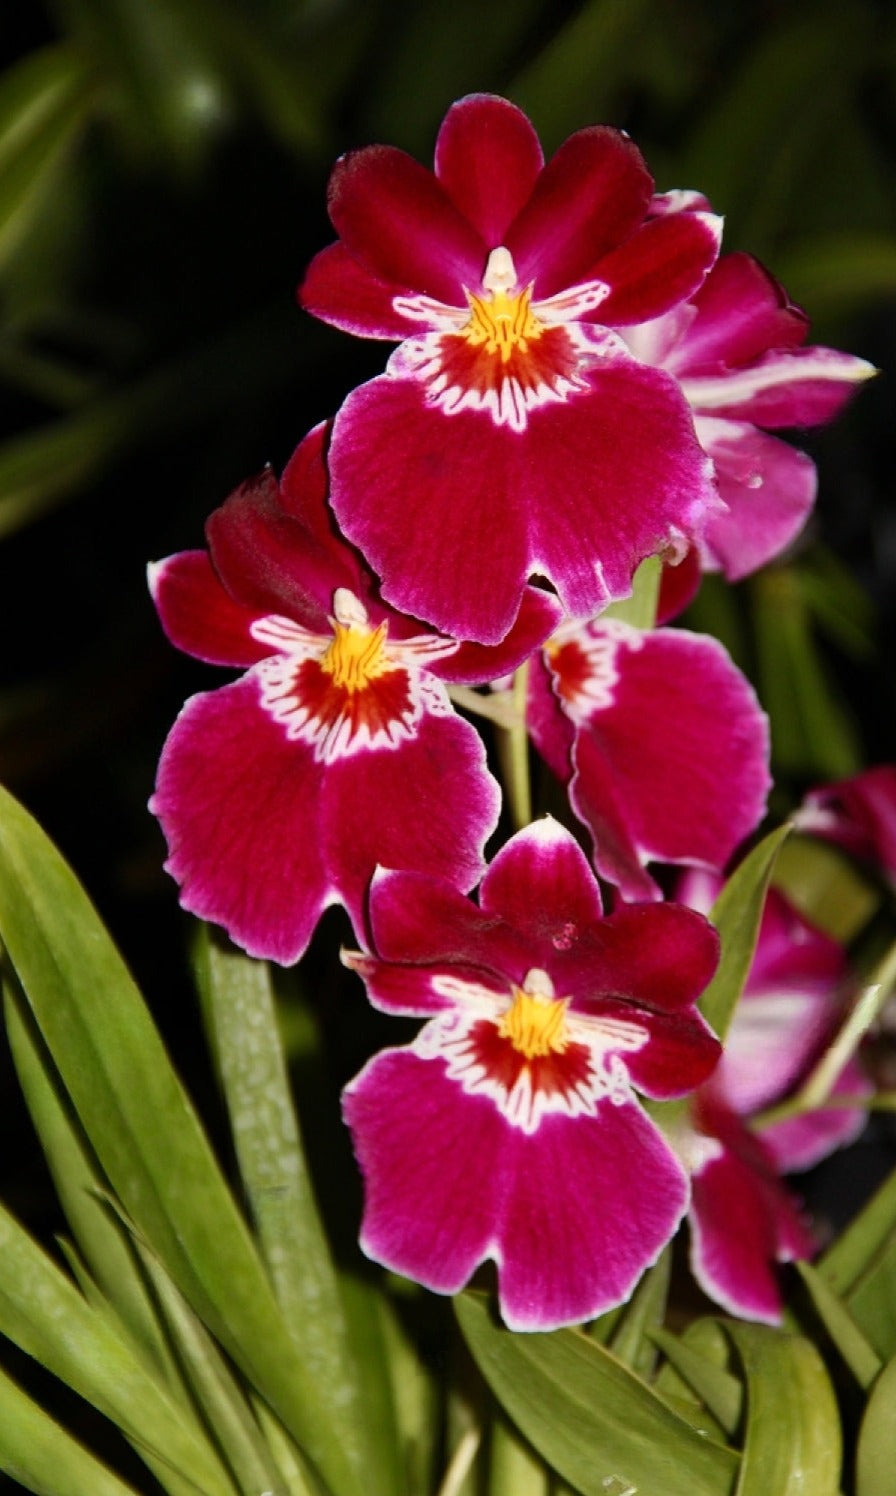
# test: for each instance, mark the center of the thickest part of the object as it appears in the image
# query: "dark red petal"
(541, 885)
(338, 289)
(198, 615)
(679, 585)
(656, 956)
(271, 562)
(394, 217)
(487, 159)
(662, 264)
(422, 920)
(593, 193)
(475, 664)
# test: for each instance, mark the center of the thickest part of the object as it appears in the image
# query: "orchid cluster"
(582, 406)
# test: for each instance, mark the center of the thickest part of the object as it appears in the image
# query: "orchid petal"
(338, 289)
(488, 159)
(769, 489)
(399, 223)
(427, 497)
(592, 194)
(198, 615)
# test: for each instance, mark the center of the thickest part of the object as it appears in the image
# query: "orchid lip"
(353, 691)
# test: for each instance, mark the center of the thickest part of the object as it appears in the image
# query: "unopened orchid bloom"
(510, 1128)
(513, 433)
(743, 1219)
(661, 741)
(736, 350)
(859, 815)
(338, 748)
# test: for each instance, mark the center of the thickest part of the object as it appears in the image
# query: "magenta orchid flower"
(509, 1129)
(661, 740)
(859, 815)
(338, 747)
(513, 433)
(735, 348)
(743, 1218)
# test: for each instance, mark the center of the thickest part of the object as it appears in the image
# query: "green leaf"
(43, 1313)
(792, 1439)
(842, 1328)
(217, 1392)
(147, 1138)
(631, 1338)
(699, 1358)
(576, 77)
(876, 1447)
(812, 733)
(736, 915)
(44, 105)
(591, 1418)
(863, 1242)
(104, 1242)
(840, 271)
(42, 1457)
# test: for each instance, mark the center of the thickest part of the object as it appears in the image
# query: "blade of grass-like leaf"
(44, 105)
(414, 1399)
(872, 1302)
(792, 1439)
(591, 1418)
(575, 76)
(876, 1448)
(44, 1458)
(811, 730)
(736, 915)
(842, 1328)
(513, 1467)
(645, 1311)
(104, 1244)
(236, 1433)
(148, 1139)
(714, 1385)
(43, 1313)
(854, 1251)
(241, 1019)
(839, 271)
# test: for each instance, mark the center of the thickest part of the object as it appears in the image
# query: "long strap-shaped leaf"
(792, 1441)
(148, 1138)
(42, 1457)
(591, 1418)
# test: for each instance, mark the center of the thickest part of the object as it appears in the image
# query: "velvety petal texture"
(669, 754)
(743, 1220)
(509, 1128)
(736, 350)
(514, 434)
(281, 792)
